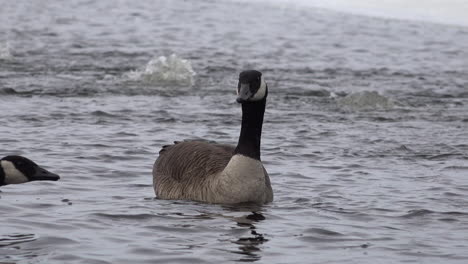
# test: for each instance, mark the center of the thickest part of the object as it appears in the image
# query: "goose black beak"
(240, 100)
(44, 175)
(244, 93)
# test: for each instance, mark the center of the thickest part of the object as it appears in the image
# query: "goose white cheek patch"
(260, 94)
(12, 174)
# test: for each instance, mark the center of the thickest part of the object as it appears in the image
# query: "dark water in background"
(365, 135)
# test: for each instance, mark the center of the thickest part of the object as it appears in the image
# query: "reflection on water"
(11, 250)
(249, 245)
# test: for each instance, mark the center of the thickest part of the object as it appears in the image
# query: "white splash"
(171, 70)
(365, 101)
(5, 53)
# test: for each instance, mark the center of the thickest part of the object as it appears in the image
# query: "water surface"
(365, 134)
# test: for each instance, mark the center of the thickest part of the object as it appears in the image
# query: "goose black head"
(18, 169)
(251, 87)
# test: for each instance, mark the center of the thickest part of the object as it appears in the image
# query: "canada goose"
(18, 169)
(216, 173)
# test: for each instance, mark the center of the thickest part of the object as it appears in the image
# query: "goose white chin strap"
(260, 94)
(12, 174)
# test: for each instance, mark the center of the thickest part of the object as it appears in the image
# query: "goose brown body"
(195, 170)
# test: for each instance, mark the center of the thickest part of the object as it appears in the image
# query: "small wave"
(102, 114)
(323, 232)
(127, 216)
(8, 240)
(365, 101)
(425, 212)
(172, 71)
(417, 213)
(7, 91)
(445, 156)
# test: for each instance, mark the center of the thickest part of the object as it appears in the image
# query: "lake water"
(365, 135)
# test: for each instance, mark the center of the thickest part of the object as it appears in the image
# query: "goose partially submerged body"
(217, 173)
(18, 169)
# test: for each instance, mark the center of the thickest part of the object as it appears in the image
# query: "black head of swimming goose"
(217, 173)
(18, 169)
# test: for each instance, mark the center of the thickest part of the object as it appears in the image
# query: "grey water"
(365, 135)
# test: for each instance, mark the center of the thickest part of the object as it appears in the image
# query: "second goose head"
(18, 169)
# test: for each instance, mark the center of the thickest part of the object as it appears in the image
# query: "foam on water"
(165, 71)
(365, 100)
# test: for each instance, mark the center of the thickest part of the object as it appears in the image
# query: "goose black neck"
(2, 176)
(251, 130)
